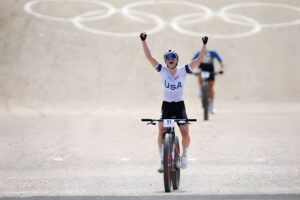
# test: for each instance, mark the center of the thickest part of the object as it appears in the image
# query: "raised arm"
(195, 63)
(148, 55)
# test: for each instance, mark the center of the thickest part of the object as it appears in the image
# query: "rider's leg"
(184, 129)
(211, 90)
(159, 137)
(200, 81)
(211, 96)
(159, 143)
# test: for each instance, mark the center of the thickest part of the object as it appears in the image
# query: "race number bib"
(204, 74)
(168, 123)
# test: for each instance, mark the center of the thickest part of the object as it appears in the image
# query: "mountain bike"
(171, 151)
(205, 90)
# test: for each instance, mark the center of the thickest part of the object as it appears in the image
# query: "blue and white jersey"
(208, 57)
(173, 85)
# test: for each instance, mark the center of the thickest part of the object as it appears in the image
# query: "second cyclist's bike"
(171, 151)
(205, 91)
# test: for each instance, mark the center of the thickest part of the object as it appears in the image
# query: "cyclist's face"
(171, 62)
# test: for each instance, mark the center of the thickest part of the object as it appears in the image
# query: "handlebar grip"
(146, 120)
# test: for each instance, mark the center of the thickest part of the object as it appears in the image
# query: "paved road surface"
(173, 197)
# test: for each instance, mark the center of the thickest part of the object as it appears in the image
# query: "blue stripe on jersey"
(158, 68)
(187, 69)
(196, 55)
(213, 54)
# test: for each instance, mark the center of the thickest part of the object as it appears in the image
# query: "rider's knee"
(184, 129)
(160, 130)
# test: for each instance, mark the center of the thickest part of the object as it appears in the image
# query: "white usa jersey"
(173, 85)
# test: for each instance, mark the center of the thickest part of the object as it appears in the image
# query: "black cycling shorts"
(173, 110)
(208, 68)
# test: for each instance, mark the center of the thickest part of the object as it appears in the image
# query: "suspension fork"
(171, 132)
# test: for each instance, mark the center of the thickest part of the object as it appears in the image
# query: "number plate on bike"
(168, 123)
(204, 74)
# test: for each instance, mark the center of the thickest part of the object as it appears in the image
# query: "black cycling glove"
(204, 39)
(143, 36)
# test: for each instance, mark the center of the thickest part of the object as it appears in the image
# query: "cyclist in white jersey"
(173, 79)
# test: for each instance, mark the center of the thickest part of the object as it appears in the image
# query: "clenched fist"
(204, 39)
(143, 36)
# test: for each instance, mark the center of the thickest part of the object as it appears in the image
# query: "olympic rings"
(129, 11)
(256, 26)
(28, 8)
(77, 21)
(252, 4)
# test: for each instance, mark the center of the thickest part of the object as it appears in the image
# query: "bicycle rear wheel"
(167, 163)
(175, 174)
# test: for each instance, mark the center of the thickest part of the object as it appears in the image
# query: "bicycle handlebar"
(215, 73)
(176, 120)
(146, 120)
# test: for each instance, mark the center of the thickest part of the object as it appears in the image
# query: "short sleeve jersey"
(208, 57)
(173, 85)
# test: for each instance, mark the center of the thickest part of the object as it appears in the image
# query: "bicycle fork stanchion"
(175, 173)
(167, 163)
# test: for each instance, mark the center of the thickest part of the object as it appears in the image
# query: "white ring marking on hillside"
(256, 4)
(256, 26)
(28, 8)
(143, 17)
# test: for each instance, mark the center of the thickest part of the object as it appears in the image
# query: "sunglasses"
(170, 56)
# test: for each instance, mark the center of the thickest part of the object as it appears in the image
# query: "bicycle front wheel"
(167, 163)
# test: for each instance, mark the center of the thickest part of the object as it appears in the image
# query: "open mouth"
(171, 62)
